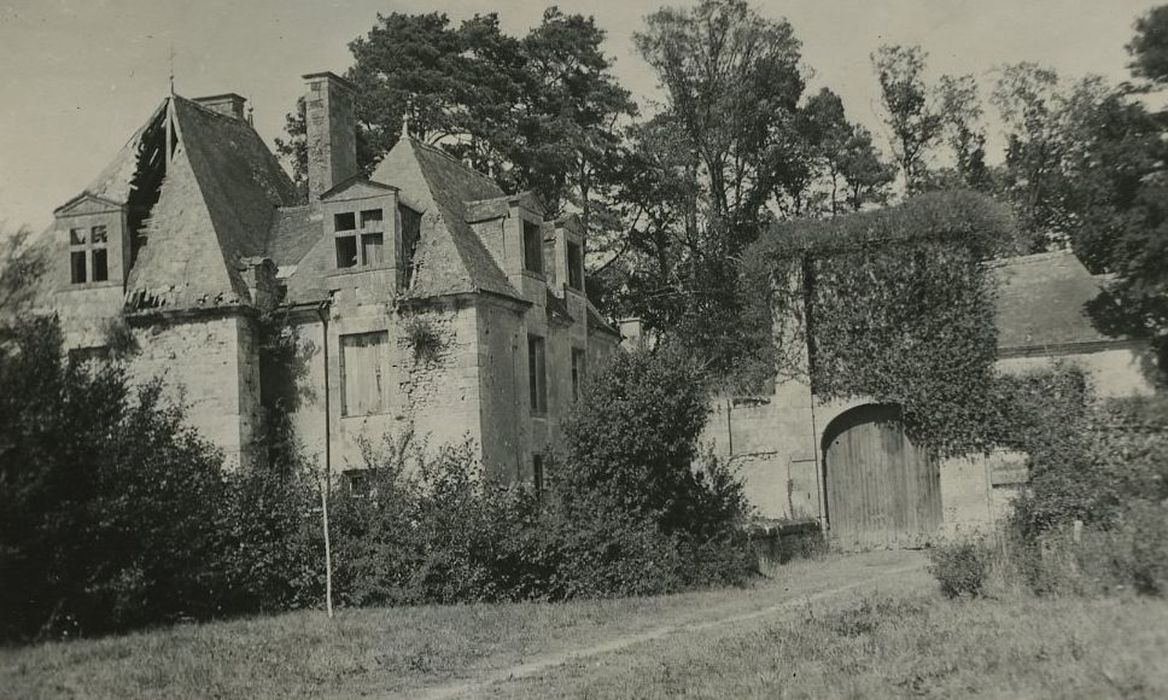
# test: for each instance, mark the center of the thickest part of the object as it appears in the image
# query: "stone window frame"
(359, 229)
(82, 242)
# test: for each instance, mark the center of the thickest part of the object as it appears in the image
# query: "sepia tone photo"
(473, 349)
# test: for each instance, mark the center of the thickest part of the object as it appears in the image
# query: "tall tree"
(959, 107)
(912, 118)
(542, 112)
(732, 91)
(1149, 47)
(868, 177)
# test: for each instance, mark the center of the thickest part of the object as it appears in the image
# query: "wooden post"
(328, 558)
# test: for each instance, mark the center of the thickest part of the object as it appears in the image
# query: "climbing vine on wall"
(897, 305)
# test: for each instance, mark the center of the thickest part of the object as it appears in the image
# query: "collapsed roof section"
(201, 191)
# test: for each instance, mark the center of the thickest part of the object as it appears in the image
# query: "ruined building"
(423, 296)
(849, 468)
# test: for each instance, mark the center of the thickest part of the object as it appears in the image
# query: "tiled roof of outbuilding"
(1042, 301)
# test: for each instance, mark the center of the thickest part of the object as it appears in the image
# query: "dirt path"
(807, 584)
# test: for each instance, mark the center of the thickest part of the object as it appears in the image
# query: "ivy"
(896, 305)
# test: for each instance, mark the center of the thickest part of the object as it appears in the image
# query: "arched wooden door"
(882, 491)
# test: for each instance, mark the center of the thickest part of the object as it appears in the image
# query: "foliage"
(22, 263)
(899, 309)
(98, 539)
(423, 337)
(914, 121)
(538, 112)
(1149, 47)
(960, 568)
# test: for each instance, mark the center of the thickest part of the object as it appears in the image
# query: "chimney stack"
(332, 132)
(229, 104)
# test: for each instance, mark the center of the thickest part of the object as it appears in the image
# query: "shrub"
(960, 568)
(109, 503)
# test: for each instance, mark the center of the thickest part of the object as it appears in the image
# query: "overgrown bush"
(108, 501)
(961, 568)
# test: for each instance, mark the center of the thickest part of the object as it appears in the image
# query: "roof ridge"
(455, 160)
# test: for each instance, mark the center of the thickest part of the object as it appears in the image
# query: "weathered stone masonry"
(423, 297)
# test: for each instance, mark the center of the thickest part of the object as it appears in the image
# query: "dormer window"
(88, 254)
(575, 266)
(532, 247)
(359, 247)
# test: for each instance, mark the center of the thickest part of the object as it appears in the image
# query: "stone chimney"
(632, 332)
(332, 132)
(229, 104)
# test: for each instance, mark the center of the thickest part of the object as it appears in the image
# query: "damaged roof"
(1042, 301)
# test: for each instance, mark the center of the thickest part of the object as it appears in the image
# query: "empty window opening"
(575, 267)
(410, 226)
(537, 473)
(536, 374)
(346, 251)
(578, 369)
(88, 258)
(100, 271)
(371, 218)
(363, 363)
(358, 483)
(344, 222)
(77, 265)
(532, 247)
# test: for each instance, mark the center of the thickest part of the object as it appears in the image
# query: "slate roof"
(1042, 301)
(450, 258)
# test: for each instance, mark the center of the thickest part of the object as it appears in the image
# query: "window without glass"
(410, 225)
(371, 218)
(364, 247)
(346, 251)
(363, 359)
(77, 267)
(536, 376)
(537, 472)
(100, 270)
(88, 261)
(575, 267)
(358, 482)
(532, 247)
(578, 369)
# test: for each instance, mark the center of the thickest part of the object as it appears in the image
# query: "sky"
(78, 77)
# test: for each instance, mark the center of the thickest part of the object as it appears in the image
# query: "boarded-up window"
(532, 247)
(363, 362)
(575, 267)
(536, 375)
(372, 248)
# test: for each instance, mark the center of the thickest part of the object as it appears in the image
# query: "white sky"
(77, 77)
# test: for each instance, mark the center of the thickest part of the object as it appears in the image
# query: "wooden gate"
(882, 491)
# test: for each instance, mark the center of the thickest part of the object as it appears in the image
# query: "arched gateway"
(882, 491)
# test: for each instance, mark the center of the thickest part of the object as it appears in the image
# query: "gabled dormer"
(564, 251)
(371, 228)
(512, 229)
(93, 231)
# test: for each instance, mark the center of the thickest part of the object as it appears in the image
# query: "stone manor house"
(425, 296)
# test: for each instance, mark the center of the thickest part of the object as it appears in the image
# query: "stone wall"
(211, 366)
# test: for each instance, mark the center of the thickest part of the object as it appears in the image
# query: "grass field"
(862, 626)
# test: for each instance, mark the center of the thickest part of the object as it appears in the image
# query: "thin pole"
(326, 486)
